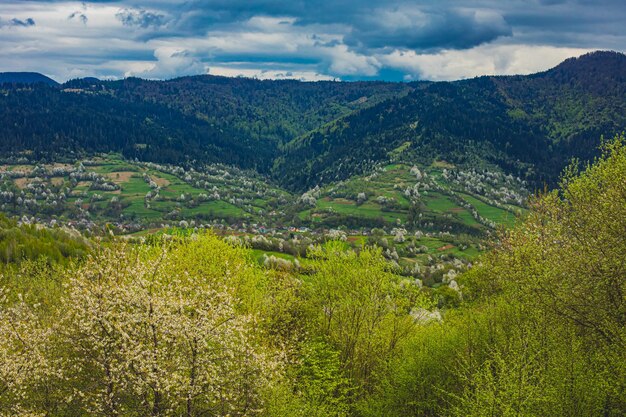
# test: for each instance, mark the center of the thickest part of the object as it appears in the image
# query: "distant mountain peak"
(606, 63)
(25, 78)
(598, 56)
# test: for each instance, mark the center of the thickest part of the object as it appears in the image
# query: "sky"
(395, 40)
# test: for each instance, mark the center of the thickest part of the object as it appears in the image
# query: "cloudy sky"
(303, 39)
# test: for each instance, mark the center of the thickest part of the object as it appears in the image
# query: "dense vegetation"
(204, 118)
(30, 242)
(193, 326)
(308, 134)
(530, 126)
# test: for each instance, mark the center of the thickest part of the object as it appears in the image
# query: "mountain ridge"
(26, 78)
(529, 125)
(307, 134)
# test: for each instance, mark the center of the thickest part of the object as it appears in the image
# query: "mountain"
(204, 118)
(25, 78)
(306, 134)
(529, 125)
(59, 122)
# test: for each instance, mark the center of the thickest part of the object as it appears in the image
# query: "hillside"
(205, 119)
(57, 123)
(108, 188)
(530, 126)
(308, 134)
(269, 111)
(192, 325)
(426, 217)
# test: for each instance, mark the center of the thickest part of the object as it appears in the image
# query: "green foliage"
(359, 307)
(324, 388)
(564, 267)
(30, 242)
(164, 330)
(193, 326)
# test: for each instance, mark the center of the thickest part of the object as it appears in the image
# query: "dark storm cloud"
(413, 25)
(425, 25)
(417, 30)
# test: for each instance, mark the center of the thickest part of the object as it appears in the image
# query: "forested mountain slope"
(308, 134)
(203, 118)
(271, 111)
(529, 125)
(48, 120)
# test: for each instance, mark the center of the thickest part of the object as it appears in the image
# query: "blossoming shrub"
(142, 331)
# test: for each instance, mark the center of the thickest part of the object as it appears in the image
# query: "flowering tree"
(158, 331)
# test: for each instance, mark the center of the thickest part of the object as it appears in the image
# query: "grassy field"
(369, 209)
(216, 208)
(386, 199)
(174, 193)
(495, 214)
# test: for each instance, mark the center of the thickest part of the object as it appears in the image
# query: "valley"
(422, 216)
(430, 172)
(223, 246)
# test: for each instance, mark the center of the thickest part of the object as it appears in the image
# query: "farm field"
(110, 189)
(394, 195)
